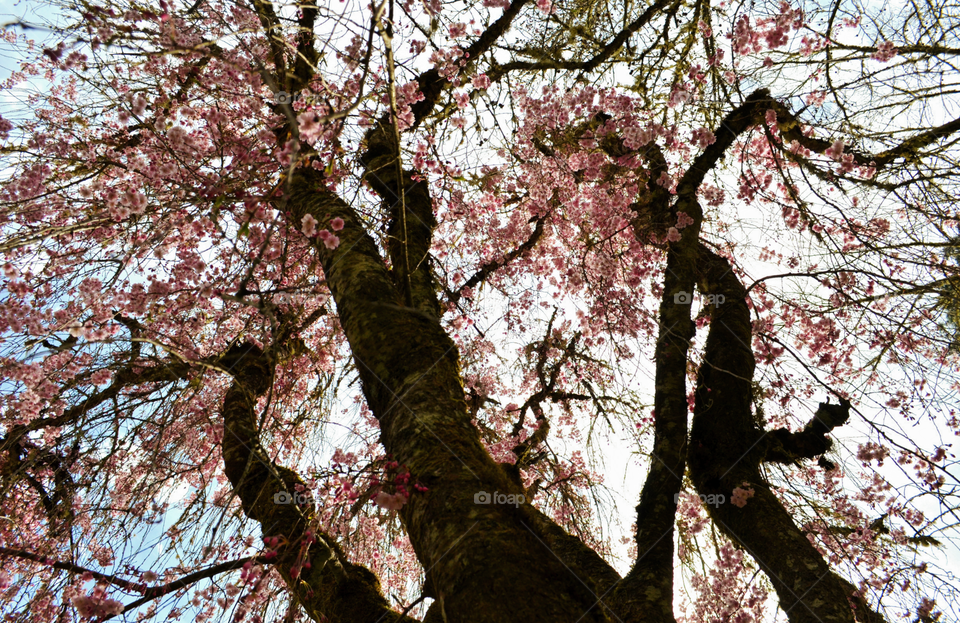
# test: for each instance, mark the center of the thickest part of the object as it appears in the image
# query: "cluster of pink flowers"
(448, 62)
(97, 604)
(769, 33)
(741, 495)
(885, 51)
(871, 451)
(481, 81)
(402, 483)
(835, 150)
(390, 501)
(680, 94)
(546, 6)
(684, 219)
(703, 137)
(308, 225)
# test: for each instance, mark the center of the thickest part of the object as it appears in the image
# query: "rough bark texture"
(726, 450)
(646, 594)
(410, 374)
(327, 585)
(488, 562)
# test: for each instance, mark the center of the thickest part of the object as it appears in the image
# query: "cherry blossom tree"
(340, 312)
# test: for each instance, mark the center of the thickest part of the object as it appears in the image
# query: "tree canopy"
(348, 312)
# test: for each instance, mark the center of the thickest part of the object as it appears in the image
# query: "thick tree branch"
(791, 130)
(274, 33)
(783, 446)
(726, 449)
(327, 585)
(647, 591)
(411, 219)
(305, 65)
(411, 379)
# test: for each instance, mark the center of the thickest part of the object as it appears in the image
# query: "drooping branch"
(604, 54)
(113, 580)
(131, 375)
(149, 593)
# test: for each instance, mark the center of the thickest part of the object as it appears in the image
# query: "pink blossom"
(703, 137)
(481, 81)
(388, 501)
(835, 150)
(885, 51)
(139, 105)
(150, 576)
(673, 235)
(816, 98)
(101, 377)
(135, 200)
(329, 240)
(336, 224)
(740, 496)
(871, 451)
(680, 94)
(332, 242)
(457, 30)
(97, 604)
(684, 219)
(925, 611)
(771, 118)
(308, 225)
(310, 126)
(545, 5)
(846, 164)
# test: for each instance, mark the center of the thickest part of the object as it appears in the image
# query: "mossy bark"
(325, 583)
(484, 562)
(726, 451)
